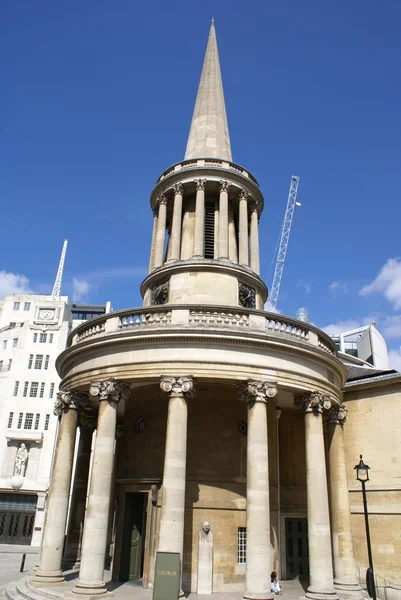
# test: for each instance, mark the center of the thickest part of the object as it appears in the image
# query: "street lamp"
(362, 475)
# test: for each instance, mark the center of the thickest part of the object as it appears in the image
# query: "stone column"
(232, 236)
(175, 236)
(66, 408)
(72, 551)
(243, 229)
(319, 538)
(199, 242)
(258, 552)
(161, 232)
(171, 538)
(223, 219)
(255, 240)
(90, 581)
(345, 580)
(153, 246)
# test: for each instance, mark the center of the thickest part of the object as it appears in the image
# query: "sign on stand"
(167, 576)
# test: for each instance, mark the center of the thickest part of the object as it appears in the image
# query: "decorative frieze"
(110, 389)
(256, 391)
(336, 415)
(178, 386)
(316, 402)
(66, 400)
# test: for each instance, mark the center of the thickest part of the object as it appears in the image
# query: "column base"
(41, 578)
(349, 588)
(252, 596)
(89, 590)
(321, 594)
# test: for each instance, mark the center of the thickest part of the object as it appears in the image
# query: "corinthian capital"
(256, 391)
(66, 400)
(313, 402)
(200, 183)
(224, 185)
(244, 195)
(178, 386)
(110, 389)
(178, 188)
(336, 415)
(161, 199)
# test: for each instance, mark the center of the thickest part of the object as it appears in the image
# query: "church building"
(203, 419)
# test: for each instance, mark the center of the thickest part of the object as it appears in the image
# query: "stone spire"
(208, 136)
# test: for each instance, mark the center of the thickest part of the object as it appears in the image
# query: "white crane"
(56, 293)
(285, 235)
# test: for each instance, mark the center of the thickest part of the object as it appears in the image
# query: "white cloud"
(387, 282)
(115, 272)
(390, 326)
(13, 283)
(81, 288)
(342, 326)
(338, 286)
(305, 285)
(394, 358)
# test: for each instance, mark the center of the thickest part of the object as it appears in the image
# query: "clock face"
(46, 313)
(160, 294)
(246, 296)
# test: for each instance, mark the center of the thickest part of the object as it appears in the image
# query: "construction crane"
(56, 293)
(285, 235)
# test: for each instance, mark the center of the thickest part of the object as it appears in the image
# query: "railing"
(385, 589)
(207, 162)
(269, 325)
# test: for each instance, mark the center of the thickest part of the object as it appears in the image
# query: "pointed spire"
(209, 136)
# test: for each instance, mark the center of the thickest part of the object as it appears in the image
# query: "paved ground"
(10, 562)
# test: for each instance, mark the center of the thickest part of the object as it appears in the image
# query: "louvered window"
(209, 230)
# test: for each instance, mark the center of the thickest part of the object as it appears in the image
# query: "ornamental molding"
(256, 391)
(161, 199)
(200, 183)
(224, 185)
(244, 195)
(178, 188)
(336, 415)
(66, 400)
(315, 402)
(178, 386)
(110, 389)
(87, 421)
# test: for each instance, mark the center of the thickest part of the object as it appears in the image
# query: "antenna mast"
(285, 235)
(56, 293)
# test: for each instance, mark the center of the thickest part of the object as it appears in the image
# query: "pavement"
(10, 562)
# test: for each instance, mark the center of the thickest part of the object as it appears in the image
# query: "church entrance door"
(296, 543)
(133, 537)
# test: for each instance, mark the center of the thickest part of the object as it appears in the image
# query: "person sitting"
(275, 586)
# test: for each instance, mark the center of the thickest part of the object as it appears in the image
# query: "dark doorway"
(17, 516)
(296, 544)
(133, 537)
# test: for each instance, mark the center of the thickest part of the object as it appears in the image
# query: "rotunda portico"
(183, 394)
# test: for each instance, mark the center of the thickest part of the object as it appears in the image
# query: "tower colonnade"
(332, 571)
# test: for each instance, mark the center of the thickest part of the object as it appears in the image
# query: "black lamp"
(362, 475)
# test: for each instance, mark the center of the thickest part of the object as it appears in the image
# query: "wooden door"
(296, 539)
(133, 538)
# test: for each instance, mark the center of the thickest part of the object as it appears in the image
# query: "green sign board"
(167, 576)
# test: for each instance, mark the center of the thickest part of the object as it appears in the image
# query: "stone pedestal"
(258, 554)
(319, 539)
(345, 580)
(90, 582)
(72, 552)
(49, 571)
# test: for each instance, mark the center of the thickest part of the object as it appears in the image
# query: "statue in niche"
(205, 535)
(205, 560)
(21, 460)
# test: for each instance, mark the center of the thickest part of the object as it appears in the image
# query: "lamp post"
(362, 475)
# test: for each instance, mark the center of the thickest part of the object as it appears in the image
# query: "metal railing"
(385, 589)
(207, 162)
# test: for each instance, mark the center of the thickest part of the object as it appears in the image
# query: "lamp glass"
(362, 471)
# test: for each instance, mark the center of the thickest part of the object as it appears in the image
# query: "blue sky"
(99, 98)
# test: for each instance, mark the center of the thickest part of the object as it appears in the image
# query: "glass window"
(1, 365)
(27, 306)
(18, 502)
(10, 362)
(15, 342)
(28, 421)
(16, 305)
(4, 344)
(37, 419)
(51, 338)
(42, 390)
(51, 392)
(241, 545)
(38, 361)
(47, 419)
(30, 361)
(25, 392)
(47, 361)
(20, 420)
(33, 392)
(42, 338)
(16, 386)
(35, 337)
(10, 420)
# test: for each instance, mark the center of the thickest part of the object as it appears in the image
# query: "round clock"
(45, 313)
(246, 296)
